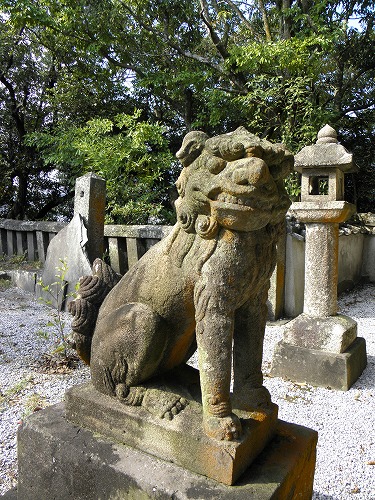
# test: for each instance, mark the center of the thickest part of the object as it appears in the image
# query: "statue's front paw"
(223, 428)
(164, 404)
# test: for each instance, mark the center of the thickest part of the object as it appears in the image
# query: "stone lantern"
(321, 347)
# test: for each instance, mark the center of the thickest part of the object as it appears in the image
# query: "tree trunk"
(286, 21)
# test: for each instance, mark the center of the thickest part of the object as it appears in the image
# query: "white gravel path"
(22, 386)
(345, 421)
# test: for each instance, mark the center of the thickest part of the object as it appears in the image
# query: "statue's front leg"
(214, 331)
(250, 322)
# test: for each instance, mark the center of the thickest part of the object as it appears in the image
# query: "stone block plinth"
(318, 367)
(60, 460)
(181, 440)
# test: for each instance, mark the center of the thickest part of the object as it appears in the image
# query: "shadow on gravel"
(366, 380)
(321, 496)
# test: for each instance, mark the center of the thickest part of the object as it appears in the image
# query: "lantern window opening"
(319, 185)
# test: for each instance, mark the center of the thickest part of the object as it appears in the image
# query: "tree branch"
(241, 15)
(266, 23)
(17, 116)
(52, 203)
(213, 35)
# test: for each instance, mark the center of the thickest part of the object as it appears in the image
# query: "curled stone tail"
(85, 308)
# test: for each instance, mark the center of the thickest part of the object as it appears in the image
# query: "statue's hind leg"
(127, 347)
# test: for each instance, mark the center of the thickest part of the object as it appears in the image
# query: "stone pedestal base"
(180, 440)
(62, 461)
(320, 368)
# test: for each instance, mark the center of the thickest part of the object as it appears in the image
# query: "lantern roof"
(326, 153)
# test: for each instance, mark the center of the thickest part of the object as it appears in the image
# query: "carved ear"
(191, 148)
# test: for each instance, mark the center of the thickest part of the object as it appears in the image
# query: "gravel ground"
(345, 421)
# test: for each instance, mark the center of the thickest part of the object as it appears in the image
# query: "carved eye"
(232, 151)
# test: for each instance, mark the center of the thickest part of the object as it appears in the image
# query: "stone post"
(320, 296)
(321, 347)
(89, 203)
(81, 241)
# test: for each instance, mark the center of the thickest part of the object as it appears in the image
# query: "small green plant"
(54, 296)
(15, 390)
(18, 262)
(33, 403)
(5, 283)
(18, 259)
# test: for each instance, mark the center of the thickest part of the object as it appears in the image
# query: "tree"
(131, 154)
(42, 91)
(282, 68)
(22, 87)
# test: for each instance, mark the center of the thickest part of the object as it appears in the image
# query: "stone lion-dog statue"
(203, 286)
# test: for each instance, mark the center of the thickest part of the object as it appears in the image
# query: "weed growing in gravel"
(55, 294)
(12, 393)
(18, 262)
(5, 283)
(33, 403)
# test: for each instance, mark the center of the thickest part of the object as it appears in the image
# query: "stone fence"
(27, 238)
(124, 246)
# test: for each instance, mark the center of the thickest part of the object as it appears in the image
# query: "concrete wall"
(368, 262)
(350, 261)
(356, 262)
(294, 275)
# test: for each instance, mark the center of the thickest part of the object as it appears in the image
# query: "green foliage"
(293, 186)
(132, 155)
(281, 96)
(72, 68)
(5, 283)
(18, 262)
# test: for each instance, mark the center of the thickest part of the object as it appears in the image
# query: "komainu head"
(233, 181)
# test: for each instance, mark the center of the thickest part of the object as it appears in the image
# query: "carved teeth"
(252, 202)
(227, 198)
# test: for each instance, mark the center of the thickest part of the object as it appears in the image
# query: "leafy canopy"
(280, 68)
(132, 156)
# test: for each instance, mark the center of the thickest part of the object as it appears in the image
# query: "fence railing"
(123, 244)
(29, 238)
